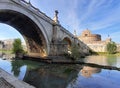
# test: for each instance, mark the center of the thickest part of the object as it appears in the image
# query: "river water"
(43, 75)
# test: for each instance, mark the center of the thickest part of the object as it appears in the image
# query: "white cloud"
(71, 17)
(108, 17)
(68, 16)
(81, 14)
(88, 11)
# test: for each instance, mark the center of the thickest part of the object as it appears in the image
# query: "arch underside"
(68, 42)
(32, 34)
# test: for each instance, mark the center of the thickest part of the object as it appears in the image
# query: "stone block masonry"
(9, 81)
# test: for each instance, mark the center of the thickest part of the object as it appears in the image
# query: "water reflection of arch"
(49, 78)
(88, 71)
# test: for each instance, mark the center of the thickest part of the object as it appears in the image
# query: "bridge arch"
(68, 42)
(29, 27)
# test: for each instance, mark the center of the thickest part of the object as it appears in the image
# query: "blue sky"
(100, 16)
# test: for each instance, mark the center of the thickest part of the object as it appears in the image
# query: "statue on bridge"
(56, 17)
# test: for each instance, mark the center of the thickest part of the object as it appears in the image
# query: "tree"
(75, 54)
(111, 47)
(17, 46)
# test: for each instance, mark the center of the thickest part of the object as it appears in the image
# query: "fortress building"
(94, 41)
(88, 37)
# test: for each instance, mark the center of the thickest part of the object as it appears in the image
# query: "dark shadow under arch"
(68, 42)
(32, 34)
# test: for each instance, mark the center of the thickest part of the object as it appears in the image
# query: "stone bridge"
(43, 36)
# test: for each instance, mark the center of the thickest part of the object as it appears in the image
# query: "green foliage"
(75, 54)
(17, 46)
(68, 70)
(16, 65)
(111, 47)
(111, 59)
(6, 51)
(102, 53)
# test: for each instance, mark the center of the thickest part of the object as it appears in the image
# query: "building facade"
(8, 44)
(94, 41)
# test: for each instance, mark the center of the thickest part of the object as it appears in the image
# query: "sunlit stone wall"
(93, 41)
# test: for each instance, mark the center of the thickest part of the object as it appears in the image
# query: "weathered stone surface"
(5, 84)
(93, 41)
(12, 81)
(40, 32)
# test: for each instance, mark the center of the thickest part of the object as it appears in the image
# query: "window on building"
(86, 34)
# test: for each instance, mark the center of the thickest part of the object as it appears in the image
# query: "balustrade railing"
(33, 9)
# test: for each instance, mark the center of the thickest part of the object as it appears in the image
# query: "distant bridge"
(43, 36)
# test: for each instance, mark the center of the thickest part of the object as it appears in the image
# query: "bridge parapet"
(41, 33)
(33, 9)
(58, 46)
